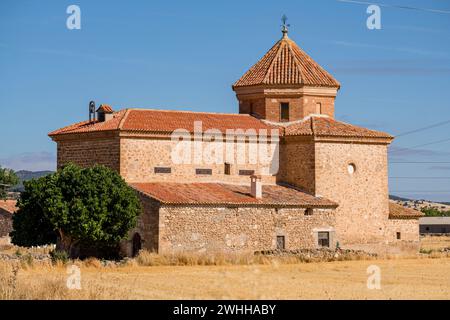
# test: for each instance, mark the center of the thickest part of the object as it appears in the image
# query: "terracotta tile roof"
(105, 108)
(93, 126)
(286, 64)
(8, 206)
(325, 126)
(168, 121)
(227, 194)
(146, 120)
(397, 211)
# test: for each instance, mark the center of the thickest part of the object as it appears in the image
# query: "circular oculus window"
(351, 168)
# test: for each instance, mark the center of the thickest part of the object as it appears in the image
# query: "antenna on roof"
(91, 111)
(284, 26)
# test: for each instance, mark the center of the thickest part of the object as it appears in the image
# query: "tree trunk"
(66, 244)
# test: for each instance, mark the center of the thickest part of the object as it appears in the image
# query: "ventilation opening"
(280, 243)
(227, 168)
(399, 235)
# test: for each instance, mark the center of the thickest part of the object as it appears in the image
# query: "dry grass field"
(424, 278)
(434, 242)
(421, 277)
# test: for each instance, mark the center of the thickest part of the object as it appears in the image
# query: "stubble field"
(421, 277)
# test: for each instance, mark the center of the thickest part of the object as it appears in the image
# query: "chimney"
(91, 111)
(256, 186)
(105, 113)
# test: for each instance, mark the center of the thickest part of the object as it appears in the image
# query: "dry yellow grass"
(400, 279)
(244, 276)
(434, 242)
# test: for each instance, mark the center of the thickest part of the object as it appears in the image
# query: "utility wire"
(397, 6)
(437, 191)
(419, 177)
(420, 145)
(420, 162)
(423, 129)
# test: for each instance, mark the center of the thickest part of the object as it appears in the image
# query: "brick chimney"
(256, 186)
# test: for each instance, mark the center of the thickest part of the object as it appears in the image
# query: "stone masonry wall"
(198, 229)
(89, 149)
(297, 159)
(139, 157)
(5, 223)
(147, 227)
(362, 213)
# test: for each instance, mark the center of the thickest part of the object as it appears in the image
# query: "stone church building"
(325, 183)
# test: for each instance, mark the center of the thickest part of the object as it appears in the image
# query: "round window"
(351, 168)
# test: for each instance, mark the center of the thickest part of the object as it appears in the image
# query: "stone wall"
(408, 244)
(5, 223)
(215, 229)
(362, 196)
(297, 159)
(140, 156)
(89, 149)
(147, 227)
(408, 229)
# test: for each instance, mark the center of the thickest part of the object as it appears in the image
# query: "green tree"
(433, 212)
(8, 178)
(30, 226)
(91, 206)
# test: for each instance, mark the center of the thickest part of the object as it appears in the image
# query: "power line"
(419, 177)
(397, 6)
(420, 145)
(420, 162)
(423, 128)
(418, 191)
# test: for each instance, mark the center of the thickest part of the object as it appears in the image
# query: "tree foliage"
(30, 226)
(8, 178)
(433, 212)
(91, 206)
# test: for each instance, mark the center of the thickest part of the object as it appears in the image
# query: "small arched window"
(351, 168)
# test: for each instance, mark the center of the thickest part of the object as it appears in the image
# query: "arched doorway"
(137, 243)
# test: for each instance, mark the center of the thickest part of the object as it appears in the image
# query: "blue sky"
(186, 54)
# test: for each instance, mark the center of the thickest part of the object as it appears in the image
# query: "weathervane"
(284, 26)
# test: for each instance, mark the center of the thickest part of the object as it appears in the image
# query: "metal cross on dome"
(285, 25)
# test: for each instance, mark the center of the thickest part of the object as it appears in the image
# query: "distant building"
(7, 208)
(434, 225)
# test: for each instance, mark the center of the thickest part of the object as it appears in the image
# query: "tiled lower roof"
(397, 211)
(8, 206)
(326, 126)
(228, 194)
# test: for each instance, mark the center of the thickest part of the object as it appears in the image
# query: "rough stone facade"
(89, 149)
(362, 196)
(214, 229)
(5, 224)
(140, 156)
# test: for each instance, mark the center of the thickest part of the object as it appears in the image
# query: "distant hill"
(25, 175)
(392, 197)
